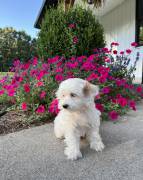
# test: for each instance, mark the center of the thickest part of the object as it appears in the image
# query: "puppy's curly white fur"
(78, 116)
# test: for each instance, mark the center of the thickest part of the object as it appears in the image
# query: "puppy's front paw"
(59, 134)
(98, 146)
(72, 154)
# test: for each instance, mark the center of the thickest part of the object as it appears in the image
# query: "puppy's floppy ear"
(86, 88)
(90, 89)
(94, 89)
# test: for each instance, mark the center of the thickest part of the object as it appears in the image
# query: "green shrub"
(59, 29)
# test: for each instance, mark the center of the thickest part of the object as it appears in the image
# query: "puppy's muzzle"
(65, 106)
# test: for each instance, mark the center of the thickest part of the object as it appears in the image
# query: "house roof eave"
(106, 8)
(36, 24)
(45, 4)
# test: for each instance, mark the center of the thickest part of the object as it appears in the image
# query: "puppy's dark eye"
(73, 95)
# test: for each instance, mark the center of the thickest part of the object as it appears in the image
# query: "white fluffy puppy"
(78, 116)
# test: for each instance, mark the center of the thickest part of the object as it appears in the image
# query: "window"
(139, 22)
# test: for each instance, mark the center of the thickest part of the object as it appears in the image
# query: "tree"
(70, 3)
(15, 44)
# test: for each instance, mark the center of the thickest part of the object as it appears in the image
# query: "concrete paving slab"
(35, 154)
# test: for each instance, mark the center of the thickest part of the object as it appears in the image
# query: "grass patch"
(4, 99)
(6, 73)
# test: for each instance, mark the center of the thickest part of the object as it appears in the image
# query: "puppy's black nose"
(65, 106)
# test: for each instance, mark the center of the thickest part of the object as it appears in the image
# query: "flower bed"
(33, 85)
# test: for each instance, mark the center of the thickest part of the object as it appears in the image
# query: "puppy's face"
(74, 94)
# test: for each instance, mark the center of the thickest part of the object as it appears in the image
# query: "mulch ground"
(11, 122)
(15, 121)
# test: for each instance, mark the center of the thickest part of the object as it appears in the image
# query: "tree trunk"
(69, 4)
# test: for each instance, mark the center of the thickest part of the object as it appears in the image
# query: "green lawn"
(5, 73)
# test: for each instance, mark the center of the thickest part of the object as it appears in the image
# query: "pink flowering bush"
(74, 32)
(32, 88)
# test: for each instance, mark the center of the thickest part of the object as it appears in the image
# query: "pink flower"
(132, 105)
(72, 26)
(45, 66)
(97, 96)
(16, 63)
(40, 109)
(35, 61)
(106, 50)
(75, 40)
(120, 82)
(3, 80)
(19, 79)
(113, 115)
(40, 75)
(115, 52)
(118, 96)
(24, 73)
(53, 60)
(53, 108)
(43, 94)
(24, 106)
(72, 58)
(121, 52)
(122, 101)
(72, 65)
(9, 87)
(92, 77)
(102, 79)
(26, 88)
(128, 51)
(59, 77)
(107, 59)
(95, 50)
(114, 100)
(100, 107)
(91, 58)
(33, 72)
(1, 92)
(26, 66)
(111, 78)
(134, 44)
(114, 44)
(11, 92)
(87, 66)
(106, 90)
(127, 86)
(103, 70)
(39, 84)
(131, 86)
(60, 70)
(69, 75)
(139, 89)
(81, 58)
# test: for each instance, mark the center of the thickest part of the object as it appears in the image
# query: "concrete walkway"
(35, 154)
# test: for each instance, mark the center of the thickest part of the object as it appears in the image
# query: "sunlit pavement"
(35, 154)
